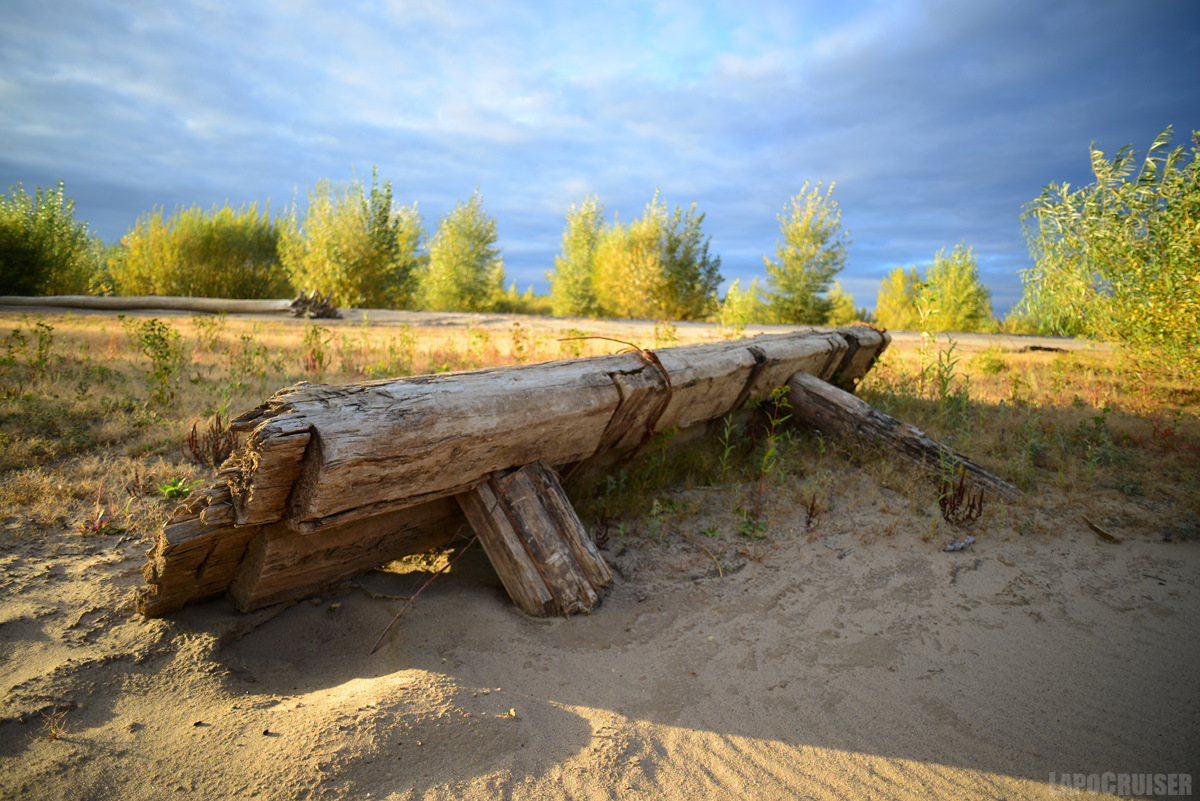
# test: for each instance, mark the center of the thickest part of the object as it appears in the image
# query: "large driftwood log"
(829, 409)
(134, 302)
(380, 446)
(332, 480)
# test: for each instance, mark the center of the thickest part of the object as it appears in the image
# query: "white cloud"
(937, 119)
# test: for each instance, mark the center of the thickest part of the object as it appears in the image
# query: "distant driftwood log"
(165, 302)
(315, 305)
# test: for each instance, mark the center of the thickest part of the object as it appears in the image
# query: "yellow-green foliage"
(899, 293)
(1120, 258)
(841, 306)
(953, 298)
(225, 253)
(43, 250)
(513, 301)
(572, 291)
(950, 298)
(743, 307)
(358, 247)
(812, 253)
(657, 267)
(628, 279)
(465, 271)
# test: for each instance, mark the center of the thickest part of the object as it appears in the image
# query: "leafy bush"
(743, 307)
(512, 301)
(360, 248)
(465, 271)
(1120, 258)
(841, 307)
(897, 306)
(812, 253)
(572, 292)
(43, 250)
(163, 346)
(951, 297)
(225, 253)
(657, 267)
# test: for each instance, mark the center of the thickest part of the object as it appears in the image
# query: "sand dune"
(893, 671)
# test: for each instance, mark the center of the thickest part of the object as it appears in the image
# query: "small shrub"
(43, 250)
(164, 347)
(212, 446)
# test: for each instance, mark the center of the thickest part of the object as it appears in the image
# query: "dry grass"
(85, 447)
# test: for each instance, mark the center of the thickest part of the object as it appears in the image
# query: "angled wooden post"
(535, 541)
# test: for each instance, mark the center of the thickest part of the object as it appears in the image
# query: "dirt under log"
(334, 480)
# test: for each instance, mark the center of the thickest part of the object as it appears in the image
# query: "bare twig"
(1104, 535)
(404, 608)
(720, 572)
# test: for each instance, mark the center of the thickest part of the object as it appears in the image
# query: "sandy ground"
(814, 667)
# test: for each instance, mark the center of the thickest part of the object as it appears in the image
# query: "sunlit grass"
(81, 427)
(83, 441)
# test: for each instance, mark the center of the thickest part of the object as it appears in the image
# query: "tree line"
(1117, 259)
(357, 244)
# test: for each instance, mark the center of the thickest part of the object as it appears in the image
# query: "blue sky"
(936, 120)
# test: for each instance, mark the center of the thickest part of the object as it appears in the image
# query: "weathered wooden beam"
(822, 406)
(369, 471)
(379, 446)
(281, 565)
(192, 560)
(543, 555)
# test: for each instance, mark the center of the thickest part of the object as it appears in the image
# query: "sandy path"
(897, 671)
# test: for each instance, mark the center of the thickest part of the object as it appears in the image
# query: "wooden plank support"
(834, 411)
(541, 551)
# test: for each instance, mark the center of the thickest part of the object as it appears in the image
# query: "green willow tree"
(465, 271)
(223, 253)
(356, 245)
(898, 305)
(43, 249)
(657, 267)
(812, 253)
(1120, 258)
(572, 291)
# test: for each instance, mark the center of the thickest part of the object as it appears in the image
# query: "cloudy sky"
(937, 120)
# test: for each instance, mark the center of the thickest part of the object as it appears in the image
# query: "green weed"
(164, 347)
(178, 487)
